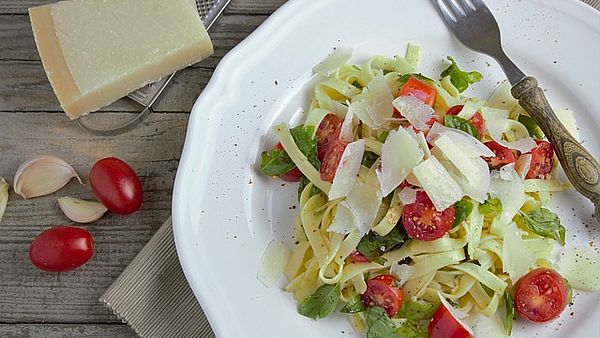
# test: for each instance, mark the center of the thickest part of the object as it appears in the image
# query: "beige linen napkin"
(152, 294)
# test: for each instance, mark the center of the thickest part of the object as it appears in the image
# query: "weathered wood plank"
(30, 295)
(249, 7)
(66, 331)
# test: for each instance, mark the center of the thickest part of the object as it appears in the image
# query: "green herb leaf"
(275, 162)
(413, 329)
(532, 127)
(457, 122)
(373, 246)
(491, 205)
(417, 310)
(307, 143)
(321, 303)
(303, 183)
(569, 291)
(383, 136)
(379, 324)
(355, 305)
(545, 223)
(369, 159)
(510, 312)
(461, 80)
(462, 210)
(404, 78)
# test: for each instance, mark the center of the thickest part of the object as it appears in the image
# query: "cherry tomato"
(420, 90)
(357, 257)
(61, 249)
(444, 325)
(293, 175)
(116, 185)
(328, 131)
(455, 110)
(380, 293)
(423, 222)
(331, 159)
(541, 295)
(387, 279)
(542, 160)
(503, 155)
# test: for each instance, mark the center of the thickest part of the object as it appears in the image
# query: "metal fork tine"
(479, 4)
(447, 13)
(456, 8)
(466, 6)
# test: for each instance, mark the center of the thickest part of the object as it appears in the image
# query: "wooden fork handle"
(581, 167)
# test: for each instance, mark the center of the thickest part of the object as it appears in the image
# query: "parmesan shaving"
(347, 170)
(400, 154)
(414, 110)
(333, 61)
(441, 188)
(273, 263)
(408, 195)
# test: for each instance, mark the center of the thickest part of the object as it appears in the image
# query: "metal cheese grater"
(209, 10)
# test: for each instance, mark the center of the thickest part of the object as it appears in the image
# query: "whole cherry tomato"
(116, 185)
(61, 249)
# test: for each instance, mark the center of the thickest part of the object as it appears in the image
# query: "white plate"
(225, 213)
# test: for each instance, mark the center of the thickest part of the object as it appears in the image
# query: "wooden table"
(38, 304)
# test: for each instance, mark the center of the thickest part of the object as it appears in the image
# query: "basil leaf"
(532, 127)
(545, 223)
(417, 310)
(461, 80)
(462, 210)
(383, 136)
(457, 122)
(355, 305)
(404, 78)
(369, 159)
(510, 312)
(321, 303)
(373, 246)
(379, 324)
(413, 329)
(491, 205)
(275, 162)
(307, 143)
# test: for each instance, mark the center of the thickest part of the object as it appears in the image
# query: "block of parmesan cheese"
(97, 51)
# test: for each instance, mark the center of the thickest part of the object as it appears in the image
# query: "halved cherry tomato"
(61, 249)
(331, 159)
(293, 175)
(357, 257)
(116, 185)
(541, 295)
(503, 155)
(542, 160)
(444, 325)
(477, 119)
(423, 222)
(379, 293)
(387, 279)
(420, 90)
(328, 131)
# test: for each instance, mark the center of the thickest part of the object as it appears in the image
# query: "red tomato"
(541, 295)
(444, 325)
(542, 160)
(387, 279)
(328, 131)
(478, 122)
(116, 185)
(503, 155)
(357, 257)
(420, 90)
(61, 249)
(423, 222)
(379, 293)
(455, 110)
(293, 175)
(331, 159)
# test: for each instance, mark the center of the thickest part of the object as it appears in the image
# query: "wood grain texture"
(579, 165)
(66, 331)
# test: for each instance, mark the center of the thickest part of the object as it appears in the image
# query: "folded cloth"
(152, 294)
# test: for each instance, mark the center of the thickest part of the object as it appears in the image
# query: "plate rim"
(216, 85)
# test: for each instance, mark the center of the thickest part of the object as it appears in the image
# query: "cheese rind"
(95, 52)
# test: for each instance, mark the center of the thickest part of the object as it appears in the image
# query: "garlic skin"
(43, 175)
(3, 196)
(81, 211)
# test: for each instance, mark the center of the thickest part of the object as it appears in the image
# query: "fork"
(475, 27)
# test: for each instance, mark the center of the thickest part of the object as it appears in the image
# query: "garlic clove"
(3, 196)
(43, 175)
(81, 211)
